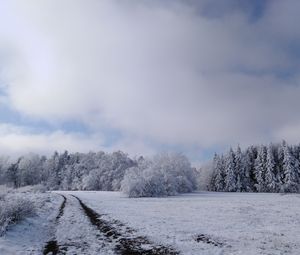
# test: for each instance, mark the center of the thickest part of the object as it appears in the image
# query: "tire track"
(51, 246)
(208, 240)
(126, 244)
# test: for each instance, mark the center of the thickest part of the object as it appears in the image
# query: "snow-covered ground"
(223, 223)
(29, 236)
(198, 223)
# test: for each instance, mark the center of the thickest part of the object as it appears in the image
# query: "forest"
(272, 168)
(262, 168)
(163, 174)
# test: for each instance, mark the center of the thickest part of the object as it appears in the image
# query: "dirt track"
(110, 234)
(51, 246)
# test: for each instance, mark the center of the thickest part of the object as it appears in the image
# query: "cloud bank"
(176, 73)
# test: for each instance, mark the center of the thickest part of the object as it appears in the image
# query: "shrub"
(13, 209)
(164, 175)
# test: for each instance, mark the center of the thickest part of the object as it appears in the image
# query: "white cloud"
(158, 71)
(18, 140)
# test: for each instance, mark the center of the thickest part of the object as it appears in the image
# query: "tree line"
(162, 175)
(272, 168)
(65, 171)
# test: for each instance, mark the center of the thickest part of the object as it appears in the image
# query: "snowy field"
(30, 235)
(223, 223)
(198, 223)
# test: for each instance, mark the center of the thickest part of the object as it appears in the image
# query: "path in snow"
(74, 234)
(207, 223)
(126, 242)
(51, 246)
(80, 230)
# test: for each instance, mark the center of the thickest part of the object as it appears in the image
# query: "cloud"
(17, 140)
(290, 133)
(173, 72)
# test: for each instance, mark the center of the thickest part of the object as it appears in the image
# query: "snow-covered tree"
(215, 161)
(29, 169)
(279, 166)
(4, 164)
(12, 174)
(51, 172)
(239, 169)
(290, 167)
(230, 168)
(270, 177)
(164, 174)
(249, 176)
(273, 168)
(218, 179)
(260, 169)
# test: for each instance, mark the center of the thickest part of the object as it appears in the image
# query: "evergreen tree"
(251, 155)
(239, 169)
(220, 174)
(290, 167)
(279, 167)
(212, 185)
(230, 181)
(271, 184)
(297, 156)
(260, 169)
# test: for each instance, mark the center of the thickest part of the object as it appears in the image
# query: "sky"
(146, 76)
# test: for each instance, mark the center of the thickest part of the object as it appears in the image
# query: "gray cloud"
(169, 71)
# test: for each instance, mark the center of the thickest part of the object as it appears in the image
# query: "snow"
(75, 234)
(201, 223)
(236, 223)
(30, 235)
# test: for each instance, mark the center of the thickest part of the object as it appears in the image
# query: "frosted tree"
(230, 181)
(260, 169)
(219, 181)
(178, 174)
(133, 183)
(154, 185)
(212, 185)
(290, 169)
(164, 174)
(239, 169)
(102, 171)
(296, 152)
(51, 170)
(137, 180)
(93, 180)
(279, 166)
(29, 169)
(270, 179)
(12, 174)
(120, 163)
(68, 179)
(4, 164)
(249, 162)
